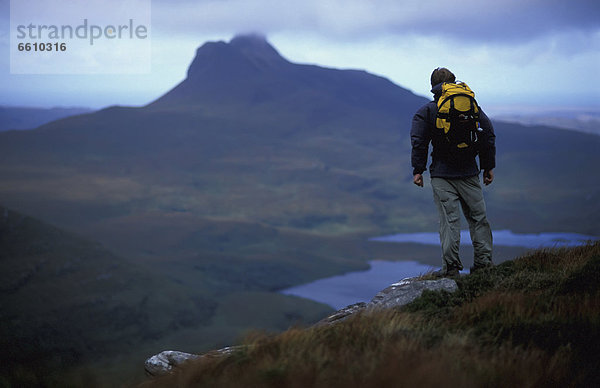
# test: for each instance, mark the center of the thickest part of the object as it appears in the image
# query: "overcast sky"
(515, 54)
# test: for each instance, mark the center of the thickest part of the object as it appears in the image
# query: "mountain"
(249, 72)
(27, 118)
(250, 136)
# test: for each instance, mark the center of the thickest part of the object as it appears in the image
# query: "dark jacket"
(444, 164)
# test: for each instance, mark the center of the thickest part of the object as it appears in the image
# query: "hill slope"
(68, 303)
(533, 321)
(12, 117)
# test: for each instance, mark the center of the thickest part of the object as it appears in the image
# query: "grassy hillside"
(72, 310)
(533, 321)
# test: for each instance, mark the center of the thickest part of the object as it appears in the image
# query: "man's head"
(441, 74)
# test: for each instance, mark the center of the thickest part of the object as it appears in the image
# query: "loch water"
(360, 286)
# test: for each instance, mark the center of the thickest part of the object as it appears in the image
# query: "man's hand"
(418, 180)
(488, 177)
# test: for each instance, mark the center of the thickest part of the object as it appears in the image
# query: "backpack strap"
(447, 115)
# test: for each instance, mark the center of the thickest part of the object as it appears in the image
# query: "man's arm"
(420, 138)
(487, 149)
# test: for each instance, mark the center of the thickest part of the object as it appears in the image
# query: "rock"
(164, 362)
(396, 295)
(407, 290)
(342, 314)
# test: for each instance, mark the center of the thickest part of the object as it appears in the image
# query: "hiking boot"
(479, 267)
(448, 273)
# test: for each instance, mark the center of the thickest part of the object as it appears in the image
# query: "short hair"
(441, 74)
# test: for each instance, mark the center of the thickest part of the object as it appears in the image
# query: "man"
(455, 180)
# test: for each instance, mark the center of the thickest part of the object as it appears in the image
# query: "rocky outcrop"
(342, 314)
(405, 291)
(164, 362)
(396, 295)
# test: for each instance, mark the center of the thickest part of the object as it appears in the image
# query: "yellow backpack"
(458, 116)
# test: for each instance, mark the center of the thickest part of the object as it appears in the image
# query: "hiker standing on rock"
(458, 131)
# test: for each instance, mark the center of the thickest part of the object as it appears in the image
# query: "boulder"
(407, 290)
(396, 295)
(342, 314)
(164, 362)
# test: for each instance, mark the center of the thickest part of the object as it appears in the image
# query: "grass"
(530, 322)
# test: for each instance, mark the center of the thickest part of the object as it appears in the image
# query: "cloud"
(512, 52)
(546, 70)
(470, 20)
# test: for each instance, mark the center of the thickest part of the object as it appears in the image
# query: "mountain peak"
(244, 54)
(253, 40)
(257, 48)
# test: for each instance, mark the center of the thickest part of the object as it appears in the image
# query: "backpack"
(458, 117)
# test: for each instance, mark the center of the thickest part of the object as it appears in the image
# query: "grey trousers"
(448, 194)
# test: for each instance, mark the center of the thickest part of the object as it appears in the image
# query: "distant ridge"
(21, 117)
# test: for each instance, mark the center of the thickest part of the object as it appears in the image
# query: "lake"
(353, 287)
(501, 237)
